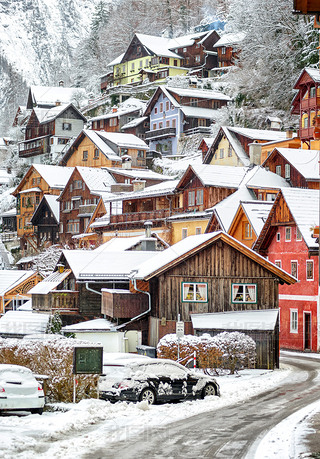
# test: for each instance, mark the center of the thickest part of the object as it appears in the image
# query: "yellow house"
(147, 57)
(189, 224)
(105, 149)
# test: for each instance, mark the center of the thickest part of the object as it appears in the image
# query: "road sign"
(87, 360)
(180, 329)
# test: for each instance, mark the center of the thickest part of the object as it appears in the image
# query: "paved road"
(229, 433)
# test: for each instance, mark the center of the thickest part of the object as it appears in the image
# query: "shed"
(261, 325)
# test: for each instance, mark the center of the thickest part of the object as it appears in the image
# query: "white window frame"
(293, 320)
(289, 229)
(184, 233)
(278, 169)
(244, 292)
(294, 261)
(287, 171)
(309, 262)
(191, 292)
(278, 263)
(278, 236)
(298, 234)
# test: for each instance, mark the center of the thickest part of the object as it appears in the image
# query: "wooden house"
(306, 6)
(228, 48)
(79, 198)
(306, 104)
(176, 112)
(50, 96)
(232, 145)
(39, 180)
(48, 132)
(204, 274)
(286, 239)
(249, 220)
(46, 221)
(138, 127)
(299, 167)
(105, 149)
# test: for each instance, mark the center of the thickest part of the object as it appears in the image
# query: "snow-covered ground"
(89, 423)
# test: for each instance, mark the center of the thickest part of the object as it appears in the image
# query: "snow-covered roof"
(5, 177)
(139, 173)
(262, 178)
(262, 319)
(95, 325)
(111, 265)
(119, 244)
(23, 323)
(236, 146)
(199, 112)
(123, 140)
(35, 189)
(186, 40)
(314, 73)
(134, 123)
(48, 114)
(259, 134)
(157, 45)
(78, 259)
(198, 93)
(225, 210)
(49, 283)
(9, 213)
(119, 112)
(229, 39)
(305, 161)
(304, 206)
(97, 180)
(226, 176)
(55, 176)
(10, 278)
(257, 213)
(117, 60)
(165, 188)
(49, 95)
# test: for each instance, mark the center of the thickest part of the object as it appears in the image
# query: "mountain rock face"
(38, 41)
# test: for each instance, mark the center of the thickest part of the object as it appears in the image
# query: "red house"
(286, 239)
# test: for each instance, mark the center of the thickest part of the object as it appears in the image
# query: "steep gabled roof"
(230, 39)
(184, 249)
(306, 162)
(97, 180)
(211, 175)
(52, 203)
(256, 212)
(45, 115)
(49, 95)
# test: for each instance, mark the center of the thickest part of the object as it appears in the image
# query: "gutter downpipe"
(143, 313)
(93, 291)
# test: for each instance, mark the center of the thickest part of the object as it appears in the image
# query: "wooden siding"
(219, 265)
(123, 305)
(296, 178)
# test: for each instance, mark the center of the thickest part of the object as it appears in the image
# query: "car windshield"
(116, 372)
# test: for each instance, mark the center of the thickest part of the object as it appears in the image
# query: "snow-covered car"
(19, 390)
(153, 380)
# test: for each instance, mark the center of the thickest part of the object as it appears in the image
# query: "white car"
(19, 390)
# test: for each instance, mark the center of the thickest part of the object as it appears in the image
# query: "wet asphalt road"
(230, 432)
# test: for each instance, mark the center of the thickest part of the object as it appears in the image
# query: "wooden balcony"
(24, 153)
(306, 133)
(161, 133)
(122, 304)
(86, 209)
(310, 103)
(136, 219)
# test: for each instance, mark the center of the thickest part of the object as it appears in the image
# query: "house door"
(307, 330)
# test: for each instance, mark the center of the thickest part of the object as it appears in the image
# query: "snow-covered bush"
(238, 349)
(52, 357)
(231, 351)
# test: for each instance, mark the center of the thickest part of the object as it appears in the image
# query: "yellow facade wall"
(192, 227)
(76, 159)
(225, 155)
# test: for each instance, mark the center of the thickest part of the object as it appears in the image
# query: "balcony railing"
(312, 102)
(64, 301)
(87, 208)
(306, 133)
(159, 133)
(23, 153)
(198, 130)
(156, 216)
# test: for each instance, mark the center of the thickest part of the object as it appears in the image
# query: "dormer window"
(312, 92)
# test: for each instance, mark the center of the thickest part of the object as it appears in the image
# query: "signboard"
(179, 329)
(87, 360)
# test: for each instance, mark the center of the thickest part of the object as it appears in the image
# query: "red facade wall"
(301, 296)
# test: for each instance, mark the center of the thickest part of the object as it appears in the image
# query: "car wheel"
(36, 410)
(209, 390)
(148, 395)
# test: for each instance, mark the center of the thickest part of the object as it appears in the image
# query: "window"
(305, 122)
(278, 237)
(175, 63)
(62, 141)
(294, 269)
(184, 233)
(230, 151)
(167, 105)
(244, 293)
(309, 267)
(147, 63)
(313, 92)
(298, 235)
(271, 196)
(278, 170)
(161, 107)
(198, 230)
(77, 184)
(223, 50)
(278, 263)
(113, 122)
(194, 292)
(197, 58)
(66, 126)
(168, 123)
(287, 171)
(293, 320)
(84, 156)
(140, 64)
(123, 69)
(174, 123)
(154, 61)
(246, 230)
(221, 153)
(132, 66)
(160, 125)
(96, 153)
(193, 102)
(288, 234)
(140, 153)
(155, 110)
(154, 126)
(191, 198)
(199, 197)
(184, 50)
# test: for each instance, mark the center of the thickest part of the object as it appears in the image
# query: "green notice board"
(87, 360)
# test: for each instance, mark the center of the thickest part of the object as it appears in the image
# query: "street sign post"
(179, 333)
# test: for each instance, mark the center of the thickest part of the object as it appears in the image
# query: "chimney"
(61, 83)
(114, 109)
(289, 132)
(58, 103)
(148, 226)
(126, 162)
(255, 153)
(149, 243)
(138, 185)
(60, 267)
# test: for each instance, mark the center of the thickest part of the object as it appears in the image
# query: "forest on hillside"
(277, 45)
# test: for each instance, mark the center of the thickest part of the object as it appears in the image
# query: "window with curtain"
(195, 292)
(244, 293)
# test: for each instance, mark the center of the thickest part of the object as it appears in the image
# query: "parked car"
(19, 390)
(153, 380)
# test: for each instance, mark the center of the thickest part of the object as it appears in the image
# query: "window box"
(244, 293)
(194, 292)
